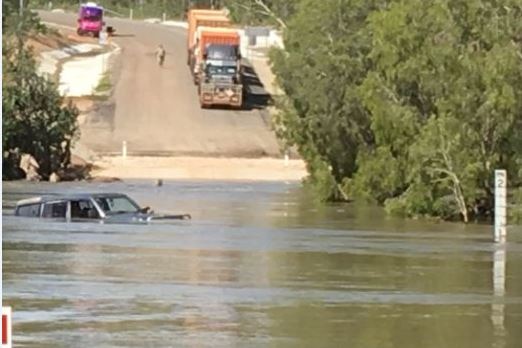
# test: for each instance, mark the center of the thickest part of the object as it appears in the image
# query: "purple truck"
(90, 19)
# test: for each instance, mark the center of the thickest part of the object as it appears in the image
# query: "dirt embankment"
(52, 40)
(55, 39)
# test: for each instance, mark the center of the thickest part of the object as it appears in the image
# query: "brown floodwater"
(260, 264)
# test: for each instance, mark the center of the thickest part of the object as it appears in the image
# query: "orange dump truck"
(218, 66)
(209, 18)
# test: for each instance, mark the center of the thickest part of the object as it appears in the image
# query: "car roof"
(67, 197)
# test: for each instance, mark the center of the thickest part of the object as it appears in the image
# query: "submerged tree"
(444, 102)
(324, 63)
(410, 103)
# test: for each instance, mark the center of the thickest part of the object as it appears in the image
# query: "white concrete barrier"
(274, 39)
(79, 76)
(49, 60)
(152, 20)
(178, 24)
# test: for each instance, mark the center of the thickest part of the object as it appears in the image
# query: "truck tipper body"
(218, 68)
(192, 14)
(209, 18)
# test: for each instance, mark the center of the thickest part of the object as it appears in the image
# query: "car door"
(56, 210)
(83, 210)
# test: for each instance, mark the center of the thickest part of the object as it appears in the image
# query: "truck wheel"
(79, 32)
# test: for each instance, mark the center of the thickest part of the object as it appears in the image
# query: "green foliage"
(515, 206)
(458, 96)
(380, 176)
(34, 120)
(12, 23)
(320, 72)
(104, 85)
(321, 181)
(265, 12)
(412, 103)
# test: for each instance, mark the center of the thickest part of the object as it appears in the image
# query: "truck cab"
(221, 61)
(220, 76)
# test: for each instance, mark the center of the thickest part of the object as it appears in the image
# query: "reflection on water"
(259, 264)
(499, 289)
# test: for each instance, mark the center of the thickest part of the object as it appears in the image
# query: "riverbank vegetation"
(35, 120)
(410, 104)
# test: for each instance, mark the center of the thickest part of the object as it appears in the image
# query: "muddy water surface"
(260, 264)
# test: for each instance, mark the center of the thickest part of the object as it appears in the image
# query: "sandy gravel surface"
(259, 169)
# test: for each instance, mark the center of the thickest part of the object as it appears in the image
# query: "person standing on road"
(160, 55)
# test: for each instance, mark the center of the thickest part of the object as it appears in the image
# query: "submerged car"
(103, 207)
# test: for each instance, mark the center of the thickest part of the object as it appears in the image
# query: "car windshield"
(93, 14)
(222, 52)
(116, 204)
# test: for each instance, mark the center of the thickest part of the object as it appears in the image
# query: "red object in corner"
(4, 329)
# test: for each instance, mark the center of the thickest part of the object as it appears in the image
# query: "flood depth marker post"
(500, 205)
(499, 288)
(124, 149)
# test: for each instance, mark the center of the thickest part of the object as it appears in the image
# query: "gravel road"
(156, 110)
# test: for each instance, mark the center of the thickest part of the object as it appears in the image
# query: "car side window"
(83, 209)
(116, 204)
(55, 210)
(28, 210)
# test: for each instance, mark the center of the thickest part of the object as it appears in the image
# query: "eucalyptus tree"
(411, 104)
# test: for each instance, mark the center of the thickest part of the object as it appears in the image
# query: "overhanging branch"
(270, 13)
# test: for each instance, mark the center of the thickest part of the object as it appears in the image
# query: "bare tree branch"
(270, 13)
(341, 191)
(457, 187)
